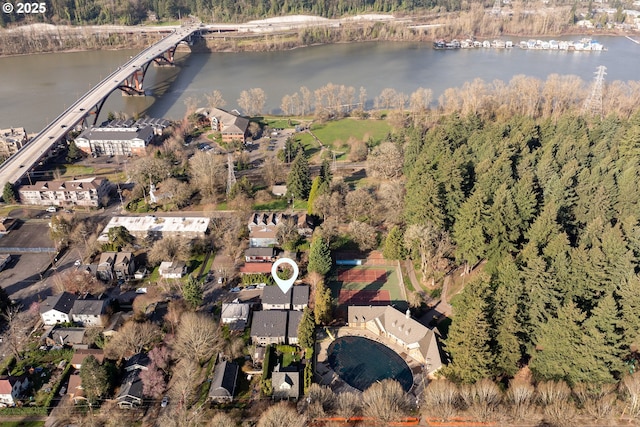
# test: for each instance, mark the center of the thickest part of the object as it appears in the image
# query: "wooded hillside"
(552, 206)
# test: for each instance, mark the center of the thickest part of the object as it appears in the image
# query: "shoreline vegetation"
(279, 34)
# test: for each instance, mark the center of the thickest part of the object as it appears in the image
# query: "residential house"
(263, 227)
(296, 298)
(92, 192)
(117, 320)
(232, 127)
(299, 297)
(236, 315)
(285, 383)
(72, 337)
(256, 268)
(223, 385)
(279, 190)
(157, 227)
(81, 354)
(419, 341)
(104, 271)
(274, 299)
(138, 361)
(124, 265)
(130, 395)
(292, 326)
(75, 391)
(11, 388)
(57, 308)
(260, 255)
(172, 269)
(89, 312)
(115, 141)
(12, 140)
(269, 327)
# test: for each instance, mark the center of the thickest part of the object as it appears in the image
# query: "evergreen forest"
(547, 211)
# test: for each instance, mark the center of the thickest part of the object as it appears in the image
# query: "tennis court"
(364, 297)
(361, 275)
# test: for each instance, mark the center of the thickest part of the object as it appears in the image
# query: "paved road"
(17, 165)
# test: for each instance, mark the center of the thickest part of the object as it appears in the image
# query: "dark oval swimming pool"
(361, 362)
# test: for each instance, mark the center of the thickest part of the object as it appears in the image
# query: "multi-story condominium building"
(108, 141)
(80, 192)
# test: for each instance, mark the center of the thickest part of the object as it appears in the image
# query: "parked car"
(220, 280)
(165, 401)
(250, 287)
(52, 209)
(236, 289)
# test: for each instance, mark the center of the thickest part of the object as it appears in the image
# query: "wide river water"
(34, 89)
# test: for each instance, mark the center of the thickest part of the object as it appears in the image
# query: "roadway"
(16, 166)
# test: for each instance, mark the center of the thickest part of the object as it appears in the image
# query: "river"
(34, 89)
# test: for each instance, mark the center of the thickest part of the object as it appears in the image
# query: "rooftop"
(154, 224)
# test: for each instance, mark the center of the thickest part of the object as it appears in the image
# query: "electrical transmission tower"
(231, 177)
(497, 6)
(593, 103)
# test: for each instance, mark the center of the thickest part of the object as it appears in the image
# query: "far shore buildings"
(92, 192)
(11, 140)
(417, 340)
(157, 227)
(120, 137)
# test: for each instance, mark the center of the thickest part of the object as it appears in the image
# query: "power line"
(593, 103)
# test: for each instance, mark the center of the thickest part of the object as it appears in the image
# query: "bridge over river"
(127, 78)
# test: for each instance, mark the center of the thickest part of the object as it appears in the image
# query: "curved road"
(16, 166)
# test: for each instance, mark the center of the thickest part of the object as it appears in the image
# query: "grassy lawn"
(278, 122)
(341, 130)
(279, 205)
(22, 423)
(155, 275)
(76, 170)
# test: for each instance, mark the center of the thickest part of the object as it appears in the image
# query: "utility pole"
(593, 103)
(231, 176)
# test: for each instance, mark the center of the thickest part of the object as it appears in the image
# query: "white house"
(235, 314)
(10, 388)
(89, 312)
(57, 308)
(172, 269)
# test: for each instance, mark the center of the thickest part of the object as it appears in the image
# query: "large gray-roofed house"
(269, 327)
(232, 127)
(235, 315)
(292, 326)
(57, 308)
(89, 312)
(299, 297)
(223, 385)
(419, 341)
(260, 255)
(130, 390)
(285, 383)
(67, 336)
(296, 298)
(274, 299)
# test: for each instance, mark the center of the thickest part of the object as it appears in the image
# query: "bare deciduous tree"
(209, 174)
(364, 235)
(170, 249)
(348, 405)
(222, 419)
(597, 400)
(482, 398)
(440, 399)
(520, 396)
(132, 338)
(386, 161)
(252, 101)
(631, 387)
(281, 415)
(391, 199)
(430, 244)
(361, 205)
(324, 397)
(215, 100)
(385, 401)
(77, 281)
(552, 391)
(197, 337)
